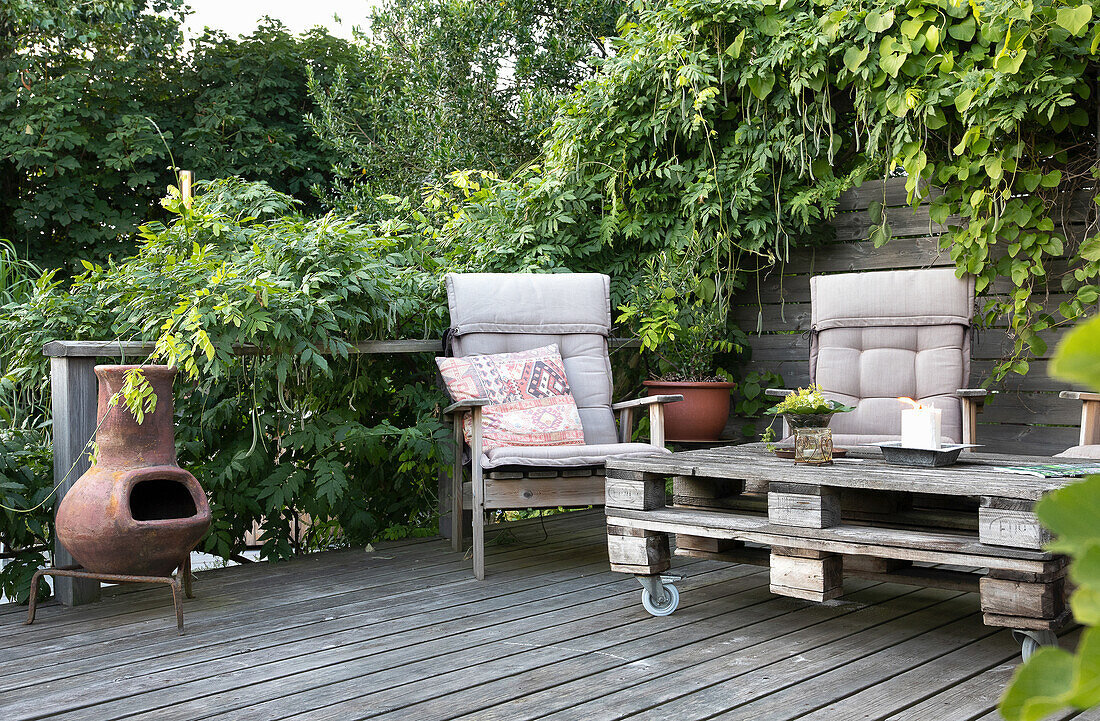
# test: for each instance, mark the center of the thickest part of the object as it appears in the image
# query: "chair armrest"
(656, 406)
(1080, 396)
(779, 392)
(465, 405)
(645, 401)
(1090, 415)
(973, 401)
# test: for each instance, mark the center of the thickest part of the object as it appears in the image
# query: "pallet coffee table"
(860, 516)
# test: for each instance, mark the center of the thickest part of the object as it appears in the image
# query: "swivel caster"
(659, 596)
(1030, 641)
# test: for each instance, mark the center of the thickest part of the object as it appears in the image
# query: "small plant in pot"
(808, 408)
(682, 327)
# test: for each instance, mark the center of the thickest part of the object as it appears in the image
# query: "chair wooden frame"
(1090, 415)
(534, 487)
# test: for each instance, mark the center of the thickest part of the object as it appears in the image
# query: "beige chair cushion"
(878, 336)
(1092, 451)
(509, 312)
(565, 456)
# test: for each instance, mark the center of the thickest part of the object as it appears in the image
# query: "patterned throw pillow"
(531, 401)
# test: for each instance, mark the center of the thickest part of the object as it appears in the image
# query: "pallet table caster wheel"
(659, 596)
(1030, 641)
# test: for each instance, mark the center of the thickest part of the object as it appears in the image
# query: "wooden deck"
(406, 633)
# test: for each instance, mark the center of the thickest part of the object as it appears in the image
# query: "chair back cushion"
(878, 336)
(510, 312)
(531, 403)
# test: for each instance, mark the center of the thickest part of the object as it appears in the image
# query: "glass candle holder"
(813, 446)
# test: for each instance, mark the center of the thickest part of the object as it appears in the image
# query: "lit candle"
(920, 426)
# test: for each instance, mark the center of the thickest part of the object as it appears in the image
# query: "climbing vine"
(721, 133)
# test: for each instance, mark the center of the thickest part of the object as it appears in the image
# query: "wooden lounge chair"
(877, 336)
(503, 313)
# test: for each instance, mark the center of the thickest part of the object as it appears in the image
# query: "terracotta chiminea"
(135, 512)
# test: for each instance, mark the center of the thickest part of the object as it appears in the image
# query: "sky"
(239, 17)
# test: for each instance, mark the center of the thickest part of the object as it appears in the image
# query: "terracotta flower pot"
(703, 413)
(135, 511)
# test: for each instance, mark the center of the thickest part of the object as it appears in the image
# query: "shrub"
(303, 425)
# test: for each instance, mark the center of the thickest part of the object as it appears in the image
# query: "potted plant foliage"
(808, 408)
(682, 326)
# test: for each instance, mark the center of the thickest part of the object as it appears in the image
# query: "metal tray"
(948, 454)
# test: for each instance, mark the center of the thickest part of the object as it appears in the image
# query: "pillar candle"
(920, 428)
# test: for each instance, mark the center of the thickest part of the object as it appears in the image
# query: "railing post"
(73, 390)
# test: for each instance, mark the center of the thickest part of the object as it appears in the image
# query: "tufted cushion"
(508, 312)
(870, 367)
(531, 403)
(877, 336)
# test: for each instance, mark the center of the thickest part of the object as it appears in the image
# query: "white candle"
(920, 427)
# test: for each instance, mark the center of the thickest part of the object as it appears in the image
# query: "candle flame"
(911, 402)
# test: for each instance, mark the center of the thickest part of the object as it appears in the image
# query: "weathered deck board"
(406, 632)
(311, 594)
(993, 653)
(313, 581)
(969, 698)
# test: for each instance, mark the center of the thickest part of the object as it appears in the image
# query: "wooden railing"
(73, 391)
(73, 386)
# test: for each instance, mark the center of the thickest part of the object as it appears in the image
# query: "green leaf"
(932, 36)
(875, 212)
(993, 168)
(1077, 359)
(891, 64)
(1040, 686)
(939, 211)
(1074, 19)
(878, 22)
(911, 28)
(1031, 181)
(854, 57)
(1090, 249)
(963, 31)
(963, 100)
(761, 85)
(1085, 601)
(1020, 268)
(1086, 693)
(1010, 63)
(734, 50)
(1035, 343)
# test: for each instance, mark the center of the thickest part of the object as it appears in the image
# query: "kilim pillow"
(531, 404)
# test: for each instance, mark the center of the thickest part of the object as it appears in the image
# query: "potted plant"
(808, 408)
(682, 326)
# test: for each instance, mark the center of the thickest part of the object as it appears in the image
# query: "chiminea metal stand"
(178, 582)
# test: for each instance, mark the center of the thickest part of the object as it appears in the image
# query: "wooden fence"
(1025, 417)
